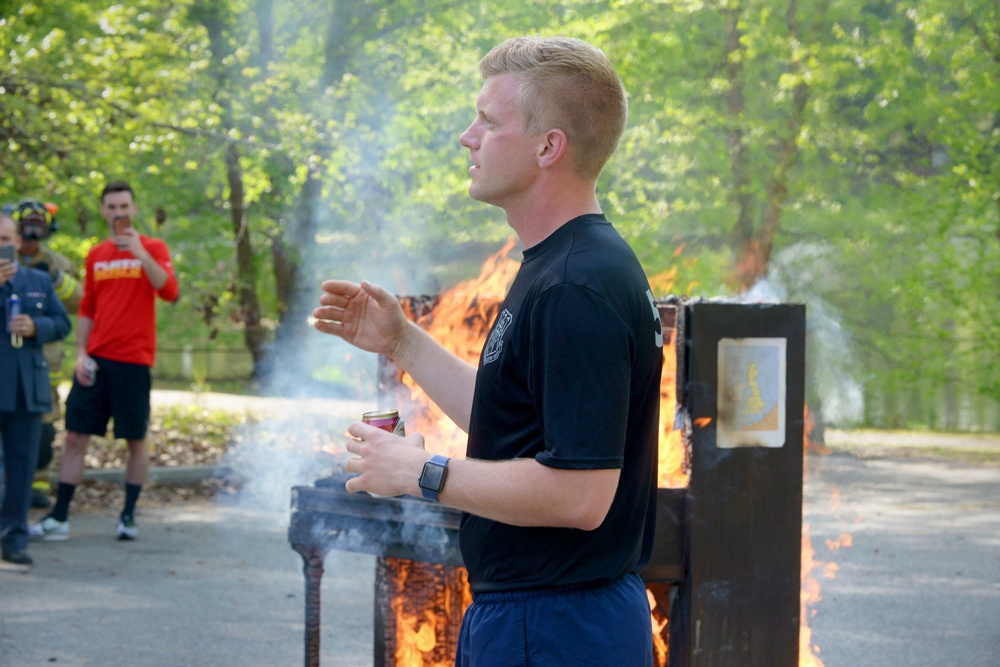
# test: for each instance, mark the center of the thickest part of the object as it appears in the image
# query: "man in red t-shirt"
(116, 347)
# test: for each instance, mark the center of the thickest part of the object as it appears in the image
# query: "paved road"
(216, 585)
(920, 583)
(205, 586)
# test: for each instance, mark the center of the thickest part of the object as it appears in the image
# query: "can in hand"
(13, 310)
(387, 420)
(90, 370)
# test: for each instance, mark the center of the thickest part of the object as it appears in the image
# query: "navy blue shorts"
(566, 627)
(121, 391)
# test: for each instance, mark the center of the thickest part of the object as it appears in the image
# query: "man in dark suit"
(36, 223)
(24, 383)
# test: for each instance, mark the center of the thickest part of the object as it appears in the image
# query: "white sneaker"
(49, 530)
(127, 530)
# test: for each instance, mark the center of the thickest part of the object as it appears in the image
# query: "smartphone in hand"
(120, 224)
(8, 252)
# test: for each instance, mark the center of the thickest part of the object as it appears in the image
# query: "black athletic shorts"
(121, 391)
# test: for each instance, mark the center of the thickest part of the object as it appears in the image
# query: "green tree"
(845, 147)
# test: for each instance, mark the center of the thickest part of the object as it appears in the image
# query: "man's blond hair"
(566, 84)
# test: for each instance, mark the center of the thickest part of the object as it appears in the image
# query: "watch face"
(432, 478)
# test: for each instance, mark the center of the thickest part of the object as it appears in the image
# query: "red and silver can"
(387, 420)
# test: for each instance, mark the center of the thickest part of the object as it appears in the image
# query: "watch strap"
(431, 493)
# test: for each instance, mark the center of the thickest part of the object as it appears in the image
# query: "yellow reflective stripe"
(65, 290)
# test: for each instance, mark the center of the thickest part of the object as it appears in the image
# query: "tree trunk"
(752, 246)
(303, 225)
(743, 232)
(246, 274)
(212, 15)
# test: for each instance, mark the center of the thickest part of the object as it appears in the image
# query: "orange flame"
(426, 603)
(673, 466)
(810, 595)
(414, 638)
(845, 540)
(813, 446)
(460, 320)
(661, 622)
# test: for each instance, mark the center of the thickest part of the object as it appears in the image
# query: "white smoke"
(294, 443)
(832, 370)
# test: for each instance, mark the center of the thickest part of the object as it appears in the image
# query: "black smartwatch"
(432, 477)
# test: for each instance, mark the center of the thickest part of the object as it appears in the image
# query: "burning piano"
(724, 577)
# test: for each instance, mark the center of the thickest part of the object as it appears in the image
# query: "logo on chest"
(117, 268)
(495, 343)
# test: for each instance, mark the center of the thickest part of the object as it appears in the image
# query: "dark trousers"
(582, 626)
(19, 432)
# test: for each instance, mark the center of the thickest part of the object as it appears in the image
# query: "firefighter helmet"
(36, 220)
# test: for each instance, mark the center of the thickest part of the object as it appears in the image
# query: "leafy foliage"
(849, 149)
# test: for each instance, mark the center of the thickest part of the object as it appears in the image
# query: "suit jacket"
(39, 300)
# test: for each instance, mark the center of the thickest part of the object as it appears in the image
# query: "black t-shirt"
(570, 375)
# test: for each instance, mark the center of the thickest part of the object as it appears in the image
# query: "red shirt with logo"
(119, 298)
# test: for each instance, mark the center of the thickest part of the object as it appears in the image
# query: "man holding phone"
(116, 348)
(32, 316)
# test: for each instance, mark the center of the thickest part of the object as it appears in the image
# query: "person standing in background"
(116, 349)
(32, 316)
(37, 222)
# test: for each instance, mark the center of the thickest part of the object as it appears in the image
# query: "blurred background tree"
(842, 153)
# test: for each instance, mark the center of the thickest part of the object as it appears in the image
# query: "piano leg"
(312, 568)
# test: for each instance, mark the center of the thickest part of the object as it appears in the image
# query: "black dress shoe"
(17, 558)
